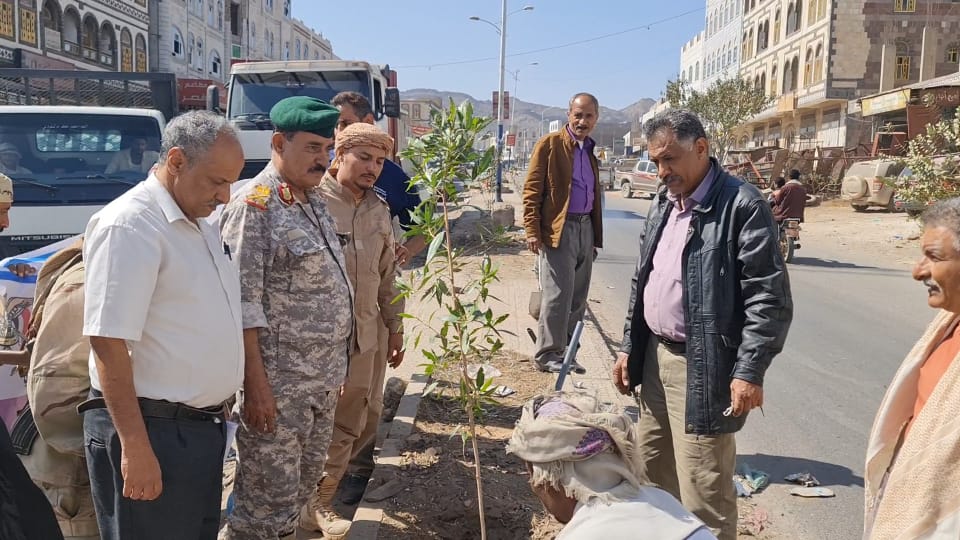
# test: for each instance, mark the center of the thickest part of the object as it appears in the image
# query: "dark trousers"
(190, 453)
(25, 513)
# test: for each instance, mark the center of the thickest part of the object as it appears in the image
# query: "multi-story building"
(102, 35)
(691, 60)
(201, 39)
(721, 45)
(814, 56)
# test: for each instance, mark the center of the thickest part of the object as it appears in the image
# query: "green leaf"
(430, 388)
(435, 245)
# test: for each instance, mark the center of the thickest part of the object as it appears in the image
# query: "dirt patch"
(439, 500)
(889, 237)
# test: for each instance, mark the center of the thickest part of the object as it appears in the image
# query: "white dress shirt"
(163, 283)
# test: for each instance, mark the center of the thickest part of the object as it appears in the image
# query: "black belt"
(675, 347)
(578, 217)
(155, 408)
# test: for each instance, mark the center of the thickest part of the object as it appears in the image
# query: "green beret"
(304, 113)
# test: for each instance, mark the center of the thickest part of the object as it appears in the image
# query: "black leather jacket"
(737, 302)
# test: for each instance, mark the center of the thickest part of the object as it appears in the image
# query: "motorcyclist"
(790, 199)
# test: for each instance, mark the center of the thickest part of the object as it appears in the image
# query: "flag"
(16, 295)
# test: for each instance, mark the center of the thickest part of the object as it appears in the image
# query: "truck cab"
(255, 87)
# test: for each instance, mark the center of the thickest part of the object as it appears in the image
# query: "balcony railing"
(90, 53)
(71, 47)
(107, 58)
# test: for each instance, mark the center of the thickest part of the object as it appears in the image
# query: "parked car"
(641, 179)
(870, 183)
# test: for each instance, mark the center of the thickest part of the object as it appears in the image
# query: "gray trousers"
(565, 278)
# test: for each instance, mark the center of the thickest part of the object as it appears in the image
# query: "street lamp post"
(502, 29)
(541, 118)
(513, 104)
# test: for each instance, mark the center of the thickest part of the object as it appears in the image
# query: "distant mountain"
(527, 116)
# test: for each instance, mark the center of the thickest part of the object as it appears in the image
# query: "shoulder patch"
(258, 197)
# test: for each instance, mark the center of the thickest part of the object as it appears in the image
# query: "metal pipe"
(570, 355)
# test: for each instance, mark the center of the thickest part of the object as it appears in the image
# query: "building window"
(269, 5)
(51, 18)
(696, 71)
(773, 81)
(822, 9)
(818, 64)
(298, 49)
(286, 50)
(90, 37)
(108, 44)
(306, 51)
(286, 8)
(126, 50)
(177, 43)
(191, 48)
(811, 12)
(953, 53)
(215, 65)
(794, 17)
(211, 17)
(199, 60)
(141, 50)
(253, 31)
(220, 14)
(776, 27)
(28, 26)
(904, 6)
(903, 60)
(808, 68)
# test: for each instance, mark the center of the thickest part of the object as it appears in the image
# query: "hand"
(596, 252)
(745, 396)
(534, 245)
(22, 270)
(395, 350)
(15, 358)
(621, 378)
(401, 254)
(259, 408)
(142, 480)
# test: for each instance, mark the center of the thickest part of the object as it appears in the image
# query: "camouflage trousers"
(278, 472)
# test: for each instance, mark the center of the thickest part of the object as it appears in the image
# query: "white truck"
(59, 133)
(255, 87)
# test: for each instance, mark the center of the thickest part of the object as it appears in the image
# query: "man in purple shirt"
(562, 219)
(709, 308)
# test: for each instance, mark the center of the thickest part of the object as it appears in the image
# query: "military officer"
(364, 219)
(298, 321)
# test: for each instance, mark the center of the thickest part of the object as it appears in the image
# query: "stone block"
(503, 216)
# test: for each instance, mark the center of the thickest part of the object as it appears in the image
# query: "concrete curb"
(366, 521)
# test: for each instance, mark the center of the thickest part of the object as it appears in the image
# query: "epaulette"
(258, 197)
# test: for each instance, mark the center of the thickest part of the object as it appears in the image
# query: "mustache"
(318, 168)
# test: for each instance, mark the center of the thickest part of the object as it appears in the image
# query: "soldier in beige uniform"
(297, 306)
(363, 218)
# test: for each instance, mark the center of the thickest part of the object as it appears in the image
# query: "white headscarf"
(578, 445)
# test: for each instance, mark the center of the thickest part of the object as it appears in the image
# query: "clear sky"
(633, 47)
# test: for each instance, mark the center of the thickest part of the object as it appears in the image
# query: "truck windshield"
(252, 95)
(62, 159)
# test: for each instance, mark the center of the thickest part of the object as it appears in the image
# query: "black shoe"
(550, 366)
(352, 488)
(577, 368)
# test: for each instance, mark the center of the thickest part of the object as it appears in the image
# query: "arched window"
(286, 50)
(219, 14)
(211, 16)
(792, 15)
(90, 37)
(200, 58)
(822, 8)
(795, 73)
(253, 31)
(696, 71)
(903, 60)
(750, 45)
(744, 50)
(298, 49)
(141, 50)
(818, 64)
(108, 45)
(126, 50)
(306, 51)
(773, 80)
(776, 27)
(811, 12)
(177, 43)
(266, 44)
(808, 68)
(215, 65)
(191, 49)
(52, 19)
(763, 82)
(786, 78)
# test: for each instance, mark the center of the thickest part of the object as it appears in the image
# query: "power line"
(646, 26)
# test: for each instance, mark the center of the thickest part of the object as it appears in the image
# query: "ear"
(176, 161)
(703, 147)
(369, 119)
(277, 141)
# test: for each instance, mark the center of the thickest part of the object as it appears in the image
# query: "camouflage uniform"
(371, 265)
(295, 289)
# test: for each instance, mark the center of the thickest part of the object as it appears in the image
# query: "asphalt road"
(854, 320)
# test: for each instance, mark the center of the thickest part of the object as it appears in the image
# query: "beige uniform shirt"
(371, 263)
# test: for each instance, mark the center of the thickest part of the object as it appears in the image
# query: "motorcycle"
(789, 238)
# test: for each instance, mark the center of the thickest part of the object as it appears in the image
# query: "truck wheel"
(626, 190)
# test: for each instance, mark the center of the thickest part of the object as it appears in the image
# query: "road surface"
(854, 320)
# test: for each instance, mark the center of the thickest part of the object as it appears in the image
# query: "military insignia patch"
(258, 198)
(286, 194)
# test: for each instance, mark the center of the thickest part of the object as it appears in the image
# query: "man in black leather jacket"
(710, 307)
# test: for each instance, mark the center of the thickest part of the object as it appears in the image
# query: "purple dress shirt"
(663, 294)
(581, 189)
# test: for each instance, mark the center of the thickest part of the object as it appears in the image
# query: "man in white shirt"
(134, 159)
(163, 314)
